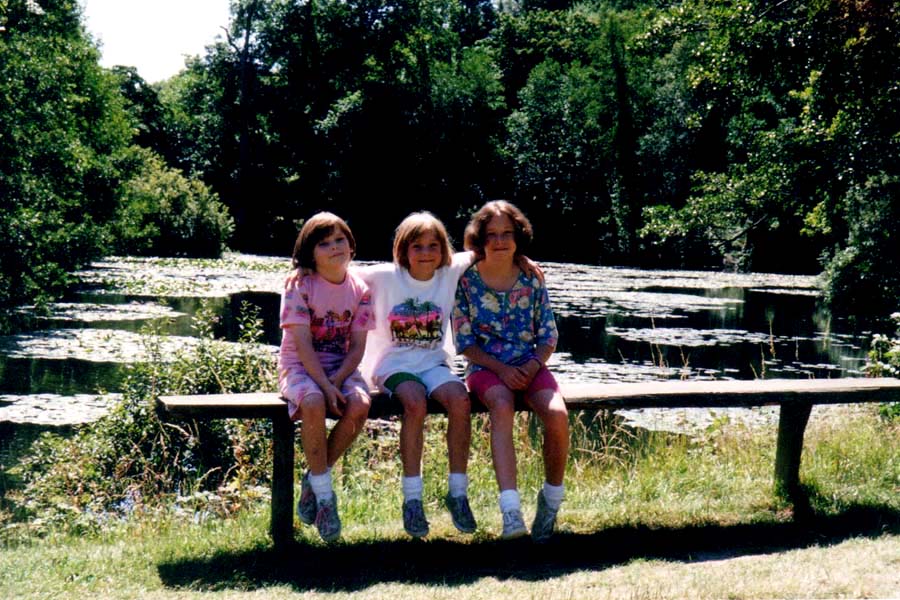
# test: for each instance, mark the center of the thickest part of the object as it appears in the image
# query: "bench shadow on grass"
(357, 566)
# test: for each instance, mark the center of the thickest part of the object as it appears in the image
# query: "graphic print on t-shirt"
(415, 323)
(331, 333)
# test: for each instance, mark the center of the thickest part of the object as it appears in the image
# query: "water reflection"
(59, 376)
(676, 324)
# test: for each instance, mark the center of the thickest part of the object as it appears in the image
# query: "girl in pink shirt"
(324, 319)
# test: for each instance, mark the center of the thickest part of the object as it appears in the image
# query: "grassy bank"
(650, 516)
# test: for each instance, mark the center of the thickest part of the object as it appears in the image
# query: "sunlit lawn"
(655, 517)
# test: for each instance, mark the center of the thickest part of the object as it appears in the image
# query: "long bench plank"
(758, 392)
(582, 396)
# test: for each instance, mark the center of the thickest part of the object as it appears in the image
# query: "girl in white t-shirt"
(325, 318)
(408, 356)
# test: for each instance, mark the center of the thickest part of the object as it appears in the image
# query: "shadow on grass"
(357, 566)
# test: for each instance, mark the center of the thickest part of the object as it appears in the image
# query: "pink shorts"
(296, 383)
(481, 381)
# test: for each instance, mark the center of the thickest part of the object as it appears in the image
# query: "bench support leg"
(282, 527)
(791, 427)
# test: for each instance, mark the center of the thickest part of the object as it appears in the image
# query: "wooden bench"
(794, 396)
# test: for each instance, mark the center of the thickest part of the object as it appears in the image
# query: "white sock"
(509, 500)
(458, 484)
(412, 488)
(321, 485)
(554, 494)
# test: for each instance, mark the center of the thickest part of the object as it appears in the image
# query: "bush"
(131, 460)
(884, 361)
(863, 279)
(163, 213)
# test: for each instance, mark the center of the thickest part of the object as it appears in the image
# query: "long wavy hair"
(476, 230)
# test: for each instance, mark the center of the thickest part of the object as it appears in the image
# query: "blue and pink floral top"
(507, 325)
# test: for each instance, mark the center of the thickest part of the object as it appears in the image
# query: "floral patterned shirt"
(507, 325)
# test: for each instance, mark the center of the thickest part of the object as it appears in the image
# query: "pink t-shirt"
(331, 311)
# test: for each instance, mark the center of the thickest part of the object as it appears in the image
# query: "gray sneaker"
(327, 520)
(544, 520)
(513, 525)
(306, 508)
(414, 521)
(461, 513)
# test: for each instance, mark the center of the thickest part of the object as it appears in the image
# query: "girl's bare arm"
(352, 359)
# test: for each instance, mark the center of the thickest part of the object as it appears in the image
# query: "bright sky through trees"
(153, 35)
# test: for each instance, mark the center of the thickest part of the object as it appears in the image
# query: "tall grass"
(634, 524)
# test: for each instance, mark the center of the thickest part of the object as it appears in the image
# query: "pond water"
(615, 325)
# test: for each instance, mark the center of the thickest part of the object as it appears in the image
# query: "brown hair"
(414, 226)
(476, 230)
(314, 230)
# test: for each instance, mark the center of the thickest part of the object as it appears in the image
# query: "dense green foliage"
(884, 361)
(162, 213)
(683, 133)
(659, 134)
(61, 123)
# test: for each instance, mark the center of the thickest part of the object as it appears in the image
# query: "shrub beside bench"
(795, 397)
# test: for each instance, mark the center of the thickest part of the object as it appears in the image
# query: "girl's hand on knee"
(530, 370)
(336, 400)
(513, 378)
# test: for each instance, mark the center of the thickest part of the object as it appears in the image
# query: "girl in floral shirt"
(504, 326)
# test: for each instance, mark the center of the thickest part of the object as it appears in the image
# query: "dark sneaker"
(307, 508)
(327, 520)
(544, 520)
(414, 521)
(461, 513)
(513, 525)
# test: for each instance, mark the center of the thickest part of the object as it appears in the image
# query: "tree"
(852, 108)
(62, 122)
(753, 174)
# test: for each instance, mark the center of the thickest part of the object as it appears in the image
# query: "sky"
(154, 35)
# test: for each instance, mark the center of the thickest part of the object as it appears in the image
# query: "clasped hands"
(519, 377)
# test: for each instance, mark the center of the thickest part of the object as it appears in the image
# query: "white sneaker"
(513, 525)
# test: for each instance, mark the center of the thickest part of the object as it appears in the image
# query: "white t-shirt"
(412, 318)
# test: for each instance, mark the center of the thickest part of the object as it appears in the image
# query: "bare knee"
(456, 401)
(357, 409)
(412, 397)
(414, 410)
(501, 404)
(556, 417)
(311, 407)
